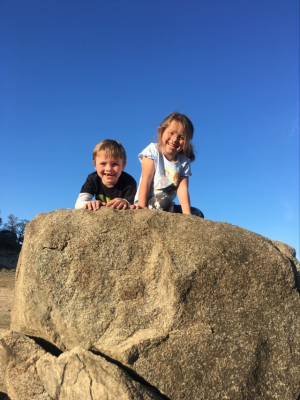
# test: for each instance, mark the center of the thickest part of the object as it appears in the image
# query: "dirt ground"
(7, 286)
(8, 263)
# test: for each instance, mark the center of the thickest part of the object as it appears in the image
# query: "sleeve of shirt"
(129, 194)
(129, 191)
(88, 186)
(186, 167)
(149, 152)
(82, 199)
(87, 193)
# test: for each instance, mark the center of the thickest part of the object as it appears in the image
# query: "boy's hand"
(119, 204)
(94, 205)
(136, 207)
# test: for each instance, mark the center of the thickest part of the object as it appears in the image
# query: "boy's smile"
(172, 140)
(108, 169)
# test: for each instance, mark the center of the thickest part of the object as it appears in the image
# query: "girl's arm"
(147, 178)
(183, 195)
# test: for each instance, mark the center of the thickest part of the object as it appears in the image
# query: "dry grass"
(8, 263)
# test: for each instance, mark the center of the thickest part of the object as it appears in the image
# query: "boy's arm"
(88, 191)
(82, 199)
(183, 195)
(130, 191)
(147, 178)
(85, 200)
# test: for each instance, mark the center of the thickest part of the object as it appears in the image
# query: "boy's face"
(109, 169)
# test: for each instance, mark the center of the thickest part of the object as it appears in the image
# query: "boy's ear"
(124, 165)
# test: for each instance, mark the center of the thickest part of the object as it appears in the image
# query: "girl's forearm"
(184, 197)
(147, 178)
(143, 193)
(185, 206)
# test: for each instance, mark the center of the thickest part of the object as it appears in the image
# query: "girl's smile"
(172, 140)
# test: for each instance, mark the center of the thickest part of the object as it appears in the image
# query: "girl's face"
(172, 140)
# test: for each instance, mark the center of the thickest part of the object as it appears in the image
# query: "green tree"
(12, 223)
(15, 228)
(21, 230)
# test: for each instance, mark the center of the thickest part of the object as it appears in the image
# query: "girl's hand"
(136, 207)
(119, 204)
(94, 205)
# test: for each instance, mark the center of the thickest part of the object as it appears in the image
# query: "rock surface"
(199, 309)
(33, 374)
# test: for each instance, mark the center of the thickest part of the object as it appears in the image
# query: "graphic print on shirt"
(175, 176)
(103, 198)
(167, 183)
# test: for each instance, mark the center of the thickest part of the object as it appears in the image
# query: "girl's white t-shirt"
(166, 174)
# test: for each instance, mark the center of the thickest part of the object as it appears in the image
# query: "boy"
(111, 186)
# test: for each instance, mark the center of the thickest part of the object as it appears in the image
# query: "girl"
(166, 167)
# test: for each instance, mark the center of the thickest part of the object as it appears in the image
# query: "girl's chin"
(171, 152)
(170, 156)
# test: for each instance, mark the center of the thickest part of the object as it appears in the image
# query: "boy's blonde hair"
(111, 148)
(188, 127)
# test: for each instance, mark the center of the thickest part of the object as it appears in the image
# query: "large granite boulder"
(198, 309)
(33, 374)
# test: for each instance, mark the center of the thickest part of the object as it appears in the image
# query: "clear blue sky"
(76, 72)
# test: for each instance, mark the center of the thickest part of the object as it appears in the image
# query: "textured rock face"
(199, 309)
(18, 357)
(33, 374)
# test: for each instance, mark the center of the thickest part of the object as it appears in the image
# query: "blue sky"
(74, 73)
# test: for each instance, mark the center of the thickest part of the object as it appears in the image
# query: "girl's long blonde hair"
(188, 127)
